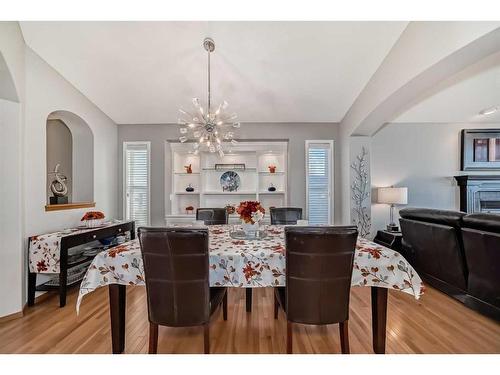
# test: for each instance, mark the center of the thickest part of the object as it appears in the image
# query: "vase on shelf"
(271, 188)
(190, 188)
(272, 168)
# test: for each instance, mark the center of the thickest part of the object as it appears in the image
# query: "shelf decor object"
(209, 128)
(236, 167)
(271, 188)
(190, 188)
(189, 169)
(230, 209)
(230, 181)
(189, 210)
(272, 168)
(58, 187)
(251, 213)
(392, 196)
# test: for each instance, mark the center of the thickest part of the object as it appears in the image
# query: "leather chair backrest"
(285, 215)
(319, 263)
(429, 215)
(481, 236)
(435, 239)
(484, 222)
(212, 216)
(176, 272)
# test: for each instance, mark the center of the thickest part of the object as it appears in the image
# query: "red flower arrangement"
(250, 211)
(93, 215)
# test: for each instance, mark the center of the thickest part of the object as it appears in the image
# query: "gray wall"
(59, 151)
(295, 133)
(424, 157)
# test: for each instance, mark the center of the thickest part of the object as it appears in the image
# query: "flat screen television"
(480, 149)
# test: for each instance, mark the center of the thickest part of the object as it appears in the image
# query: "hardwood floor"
(436, 324)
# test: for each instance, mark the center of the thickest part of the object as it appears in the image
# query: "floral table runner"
(45, 250)
(257, 263)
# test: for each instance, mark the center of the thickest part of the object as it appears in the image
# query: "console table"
(75, 237)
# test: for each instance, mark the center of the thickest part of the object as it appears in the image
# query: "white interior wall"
(41, 91)
(423, 157)
(12, 282)
(40, 80)
(11, 253)
(295, 133)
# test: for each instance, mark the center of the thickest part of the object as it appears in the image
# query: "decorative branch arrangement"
(360, 193)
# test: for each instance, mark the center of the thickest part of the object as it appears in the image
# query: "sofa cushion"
(429, 215)
(486, 222)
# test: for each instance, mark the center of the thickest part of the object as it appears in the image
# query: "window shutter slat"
(137, 161)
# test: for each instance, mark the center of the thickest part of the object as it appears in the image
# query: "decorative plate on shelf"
(230, 181)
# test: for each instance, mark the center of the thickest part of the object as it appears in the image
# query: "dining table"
(252, 263)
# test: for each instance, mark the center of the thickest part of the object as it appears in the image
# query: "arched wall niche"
(81, 158)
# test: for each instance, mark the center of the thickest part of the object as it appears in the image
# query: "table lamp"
(393, 195)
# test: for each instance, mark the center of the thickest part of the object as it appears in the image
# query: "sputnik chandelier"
(209, 129)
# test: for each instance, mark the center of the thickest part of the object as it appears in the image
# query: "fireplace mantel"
(479, 193)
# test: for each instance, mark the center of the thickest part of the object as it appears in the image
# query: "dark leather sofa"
(456, 253)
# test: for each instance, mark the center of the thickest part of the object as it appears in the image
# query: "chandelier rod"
(209, 46)
(208, 111)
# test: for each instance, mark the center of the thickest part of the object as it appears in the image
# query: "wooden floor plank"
(436, 324)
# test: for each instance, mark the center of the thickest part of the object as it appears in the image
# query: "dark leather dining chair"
(212, 216)
(176, 270)
(285, 215)
(319, 263)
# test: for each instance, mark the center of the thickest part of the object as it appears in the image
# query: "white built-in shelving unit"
(205, 179)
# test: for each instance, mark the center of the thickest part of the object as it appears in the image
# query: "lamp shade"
(393, 195)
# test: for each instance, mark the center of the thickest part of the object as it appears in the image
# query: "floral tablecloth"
(45, 250)
(258, 263)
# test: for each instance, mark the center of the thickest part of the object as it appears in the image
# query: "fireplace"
(479, 193)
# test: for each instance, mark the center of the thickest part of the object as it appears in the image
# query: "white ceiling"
(142, 72)
(460, 98)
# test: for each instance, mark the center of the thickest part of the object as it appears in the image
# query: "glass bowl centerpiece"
(251, 213)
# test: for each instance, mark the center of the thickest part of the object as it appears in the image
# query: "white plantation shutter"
(319, 181)
(137, 178)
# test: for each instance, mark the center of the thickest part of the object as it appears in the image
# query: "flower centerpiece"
(251, 213)
(93, 219)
